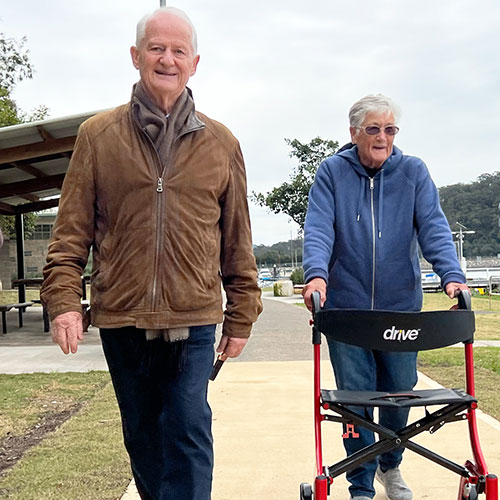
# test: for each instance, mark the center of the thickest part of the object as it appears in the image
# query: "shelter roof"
(34, 158)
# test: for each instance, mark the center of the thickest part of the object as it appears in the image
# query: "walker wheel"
(469, 492)
(306, 492)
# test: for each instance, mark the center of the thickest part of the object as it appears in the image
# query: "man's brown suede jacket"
(161, 244)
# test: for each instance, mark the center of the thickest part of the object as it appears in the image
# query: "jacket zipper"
(372, 187)
(159, 190)
(159, 205)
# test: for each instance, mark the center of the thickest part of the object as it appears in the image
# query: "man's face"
(165, 57)
(373, 150)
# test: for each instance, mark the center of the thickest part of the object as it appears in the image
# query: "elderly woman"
(370, 208)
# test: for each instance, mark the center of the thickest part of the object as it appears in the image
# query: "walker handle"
(464, 300)
(316, 306)
(316, 302)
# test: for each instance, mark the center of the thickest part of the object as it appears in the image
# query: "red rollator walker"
(399, 331)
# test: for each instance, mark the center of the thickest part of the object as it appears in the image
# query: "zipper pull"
(159, 187)
(372, 183)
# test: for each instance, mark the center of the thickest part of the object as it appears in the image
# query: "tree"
(15, 66)
(475, 205)
(8, 225)
(290, 197)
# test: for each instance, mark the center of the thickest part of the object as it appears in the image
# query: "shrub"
(297, 276)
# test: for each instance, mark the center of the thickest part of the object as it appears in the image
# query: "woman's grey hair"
(377, 103)
(141, 25)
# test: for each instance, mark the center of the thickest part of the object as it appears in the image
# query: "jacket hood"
(350, 153)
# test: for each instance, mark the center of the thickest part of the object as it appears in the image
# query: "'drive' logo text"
(400, 335)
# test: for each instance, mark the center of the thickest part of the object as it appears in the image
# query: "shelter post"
(20, 255)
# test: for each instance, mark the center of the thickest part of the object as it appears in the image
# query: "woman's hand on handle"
(452, 289)
(315, 285)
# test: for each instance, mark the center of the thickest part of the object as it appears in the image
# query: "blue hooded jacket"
(361, 234)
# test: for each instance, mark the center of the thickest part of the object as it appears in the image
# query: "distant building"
(35, 251)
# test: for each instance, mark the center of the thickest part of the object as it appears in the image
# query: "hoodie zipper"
(372, 187)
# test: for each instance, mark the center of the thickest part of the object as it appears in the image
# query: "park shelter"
(34, 158)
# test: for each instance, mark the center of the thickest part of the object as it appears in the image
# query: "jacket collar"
(193, 122)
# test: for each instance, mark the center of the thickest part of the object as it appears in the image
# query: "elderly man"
(369, 209)
(158, 190)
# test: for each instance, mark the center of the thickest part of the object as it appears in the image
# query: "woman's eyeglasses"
(374, 130)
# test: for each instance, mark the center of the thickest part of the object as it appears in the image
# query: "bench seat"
(21, 307)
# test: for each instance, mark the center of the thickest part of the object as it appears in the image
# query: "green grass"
(82, 460)
(26, 398)
(487, 358)
(439, 300)
(11, 296)
(487, 320)
(446, 366)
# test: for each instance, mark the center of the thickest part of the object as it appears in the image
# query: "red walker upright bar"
(479, 467)
(321, 482)
(318, 417)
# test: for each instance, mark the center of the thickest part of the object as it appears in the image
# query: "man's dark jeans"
(166, 419)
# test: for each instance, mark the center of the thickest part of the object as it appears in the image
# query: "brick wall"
(35, 252)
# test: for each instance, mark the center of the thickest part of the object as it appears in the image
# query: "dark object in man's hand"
(218, 365)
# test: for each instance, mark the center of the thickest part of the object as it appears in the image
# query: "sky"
(277, 69)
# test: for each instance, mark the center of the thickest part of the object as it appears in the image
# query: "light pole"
(460, 236)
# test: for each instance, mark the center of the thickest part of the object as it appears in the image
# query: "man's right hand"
(315, 285)
(67, 331)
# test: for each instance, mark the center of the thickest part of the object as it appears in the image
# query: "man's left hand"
(452, 288)
(231, 346)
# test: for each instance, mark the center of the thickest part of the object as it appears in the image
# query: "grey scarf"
(163, 131)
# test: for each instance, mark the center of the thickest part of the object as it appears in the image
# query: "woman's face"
(373, 150)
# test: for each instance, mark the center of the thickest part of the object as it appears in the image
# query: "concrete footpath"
(263, 413)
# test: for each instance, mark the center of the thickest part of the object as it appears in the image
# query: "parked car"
(265, 274)
(430, 281)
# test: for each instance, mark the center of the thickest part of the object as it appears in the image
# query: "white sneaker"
(395, 487)
(361, 498)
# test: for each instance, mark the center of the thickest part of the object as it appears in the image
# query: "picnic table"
(22, 284)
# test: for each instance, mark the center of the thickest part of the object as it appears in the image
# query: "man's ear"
(196, 60)
(134, 53)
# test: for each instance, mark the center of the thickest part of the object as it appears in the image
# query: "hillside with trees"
(476, 206)
(279, 253)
